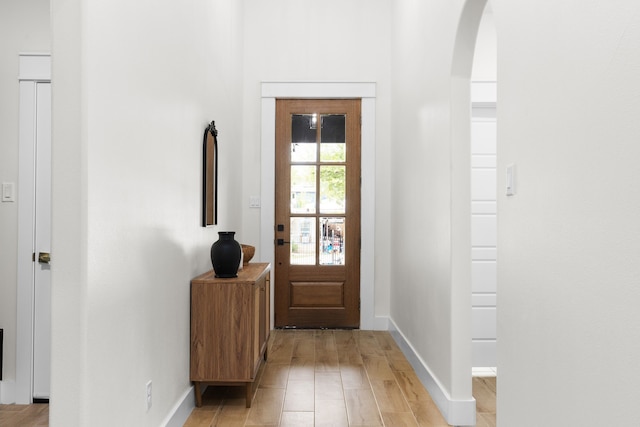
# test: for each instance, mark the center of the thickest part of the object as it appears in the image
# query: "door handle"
(281, 242)
(44, 257)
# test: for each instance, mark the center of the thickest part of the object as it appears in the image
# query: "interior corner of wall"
(381, 323)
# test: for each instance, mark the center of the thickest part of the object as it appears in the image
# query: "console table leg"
(249, 391)
(198, 393)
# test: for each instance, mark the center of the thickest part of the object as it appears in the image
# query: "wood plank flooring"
(317, 378)
(484, 391)
(24, 415)
(333, 378)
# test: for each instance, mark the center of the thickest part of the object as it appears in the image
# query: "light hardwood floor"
(317, 378)
(484, 391)
(24, 415)
(334, 378)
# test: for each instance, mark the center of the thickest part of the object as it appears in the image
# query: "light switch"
(254, 201)
(511, 180)
(8, 192)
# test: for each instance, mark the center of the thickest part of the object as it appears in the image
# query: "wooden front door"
(317, 245)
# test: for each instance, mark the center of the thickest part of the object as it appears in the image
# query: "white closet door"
(483, 238)
(42, 245)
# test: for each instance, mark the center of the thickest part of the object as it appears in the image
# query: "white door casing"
(327, 90)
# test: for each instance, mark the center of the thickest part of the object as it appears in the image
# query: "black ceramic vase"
(226, 254)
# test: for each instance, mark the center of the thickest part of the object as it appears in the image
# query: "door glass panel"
(333, 128)
(303, 189)
(332, 138)
(332, 189)
(302, 241)
(303, 127)
(303, 152)
(331, 245)
(303, 137)
(332, 152)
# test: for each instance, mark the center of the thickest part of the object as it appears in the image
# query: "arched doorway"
(473, 206)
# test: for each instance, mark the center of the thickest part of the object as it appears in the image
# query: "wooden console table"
(230, 324)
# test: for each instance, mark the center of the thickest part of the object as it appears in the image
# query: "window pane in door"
(332, 189)
(304, 129)
(333, 128)
(303, 189)
(303, 152)
(302, 241)
(331, 244)
(332, 138)
(332, 152)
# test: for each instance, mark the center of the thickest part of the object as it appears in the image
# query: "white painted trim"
(484, 99)
(34, 68)
(267, 186)
(367, 215)
(300, 90)
(456, 412)
(7, 392)
(318, 90)
(26, 211)
(181, 410)
(484, 92)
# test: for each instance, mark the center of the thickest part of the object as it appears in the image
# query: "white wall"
(485, 55)
(134, 85)
(422, 305)
(24, 27)
(569, 240)
(290, 41)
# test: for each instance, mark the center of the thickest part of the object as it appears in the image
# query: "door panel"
(483, 237)
(317, 252)
(42, 247)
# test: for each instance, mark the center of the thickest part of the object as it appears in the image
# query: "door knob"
(281, 242)
(44, 257)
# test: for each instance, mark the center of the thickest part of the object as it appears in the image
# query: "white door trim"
(318, 90)
(34, 68)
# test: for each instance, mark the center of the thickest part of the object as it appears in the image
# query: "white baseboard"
(181, 410)
(455, 411)
(381, 323)
(7, 392)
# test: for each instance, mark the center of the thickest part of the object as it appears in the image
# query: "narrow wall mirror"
(210, 176)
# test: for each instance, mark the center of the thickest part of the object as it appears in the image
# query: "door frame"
(366, 91)
(34, 68)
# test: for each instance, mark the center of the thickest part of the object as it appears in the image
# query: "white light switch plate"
(8, 192)
(511, 180)
(254, 201)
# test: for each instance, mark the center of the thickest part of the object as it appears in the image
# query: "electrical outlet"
(148, 395)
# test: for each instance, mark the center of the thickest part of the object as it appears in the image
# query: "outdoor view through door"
(317, 252)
